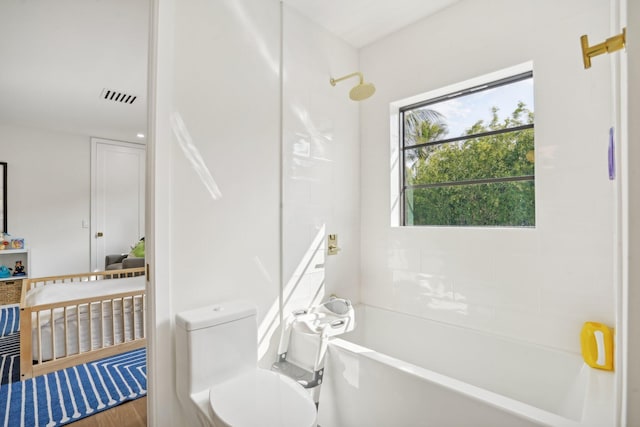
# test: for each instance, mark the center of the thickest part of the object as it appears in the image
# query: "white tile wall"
(320, 163)
(218, 74)
(226, 91)
(222, 77)
(533, 284)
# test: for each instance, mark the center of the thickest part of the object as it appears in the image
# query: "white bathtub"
(397, 370)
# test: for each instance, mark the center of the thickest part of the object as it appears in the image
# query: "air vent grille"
(116, 96)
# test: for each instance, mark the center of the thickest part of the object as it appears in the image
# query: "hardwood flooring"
(130, 414)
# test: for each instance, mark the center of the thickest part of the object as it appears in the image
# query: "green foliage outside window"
(477, 181)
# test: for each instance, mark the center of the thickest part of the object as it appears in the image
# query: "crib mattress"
(58, 292)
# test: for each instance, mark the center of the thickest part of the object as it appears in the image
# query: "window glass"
(469, 157)
(454, 115)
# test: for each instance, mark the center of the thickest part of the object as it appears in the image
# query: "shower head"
(359, 92)
(362, 91)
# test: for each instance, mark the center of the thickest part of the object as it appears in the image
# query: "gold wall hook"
(611, 44)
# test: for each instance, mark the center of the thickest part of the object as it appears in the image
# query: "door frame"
(94, 205)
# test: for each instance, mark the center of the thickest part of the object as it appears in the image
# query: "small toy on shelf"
(4, 271)
(18, 270)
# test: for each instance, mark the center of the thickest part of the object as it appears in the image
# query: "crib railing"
(81, 330)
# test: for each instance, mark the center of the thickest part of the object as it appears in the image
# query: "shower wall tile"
(221, 247)
(525, 299)
(320, 164)
(534, 284)
(218, 71)
(596, 306)
(304, 290)
(402, 258)
(579, 275)
(478, 316)
(559, 331)
(472, 267)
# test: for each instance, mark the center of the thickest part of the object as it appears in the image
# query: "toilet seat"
(261, 398)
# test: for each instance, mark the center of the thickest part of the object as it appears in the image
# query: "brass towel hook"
(610, 45)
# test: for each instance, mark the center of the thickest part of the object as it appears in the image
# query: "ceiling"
(57, 57)
(360, 22)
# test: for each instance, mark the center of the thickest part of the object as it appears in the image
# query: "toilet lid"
(262, 398)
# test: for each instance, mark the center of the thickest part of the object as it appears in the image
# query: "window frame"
(453, 95)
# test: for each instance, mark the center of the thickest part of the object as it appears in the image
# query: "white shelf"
(11, 278)
(13, 251)
(8, 258)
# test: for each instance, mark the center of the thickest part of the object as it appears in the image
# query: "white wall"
(320, 165)
(226, 91)
(225, 88)
(540, 284)
(49, 196)
(218, 67)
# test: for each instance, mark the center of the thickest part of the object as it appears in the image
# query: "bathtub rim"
(498, 401)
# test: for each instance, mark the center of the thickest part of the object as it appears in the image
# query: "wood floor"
(130, 414)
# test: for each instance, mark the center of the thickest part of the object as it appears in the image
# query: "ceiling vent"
(114, 95)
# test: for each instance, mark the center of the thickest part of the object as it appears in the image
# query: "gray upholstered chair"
(121, 262)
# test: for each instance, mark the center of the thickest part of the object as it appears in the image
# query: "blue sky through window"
(461, 113)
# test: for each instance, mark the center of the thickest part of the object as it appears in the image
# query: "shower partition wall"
(240, 105)
(321, 152)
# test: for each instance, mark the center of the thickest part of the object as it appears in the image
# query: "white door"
(117, 198)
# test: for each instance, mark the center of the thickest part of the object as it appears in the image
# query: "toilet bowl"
(268, 399)
(218, 379)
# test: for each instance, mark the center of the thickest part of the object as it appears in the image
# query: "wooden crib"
(77, 318)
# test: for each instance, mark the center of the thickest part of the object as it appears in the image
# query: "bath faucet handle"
(332, 244)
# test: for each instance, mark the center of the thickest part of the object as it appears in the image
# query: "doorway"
(117, 198)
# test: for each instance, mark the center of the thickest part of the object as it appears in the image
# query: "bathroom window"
(469, 156)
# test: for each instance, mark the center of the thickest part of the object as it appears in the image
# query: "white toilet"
(218, 379)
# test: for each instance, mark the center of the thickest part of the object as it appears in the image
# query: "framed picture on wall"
(3, 196)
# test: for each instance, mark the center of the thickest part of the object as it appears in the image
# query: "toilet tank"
(215, 343)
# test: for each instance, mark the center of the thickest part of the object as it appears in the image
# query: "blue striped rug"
(9, 343)
(9, 319)
(70, 394)
(10, 358)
